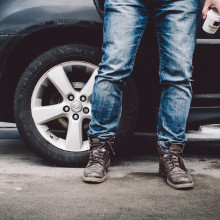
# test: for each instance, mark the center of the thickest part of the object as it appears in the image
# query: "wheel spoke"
(58, 77)
(88, 88)
(74, 138)
(48, 113)
(60, 80)
(88, 116)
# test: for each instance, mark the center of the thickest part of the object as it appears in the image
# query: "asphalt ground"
(30, 188)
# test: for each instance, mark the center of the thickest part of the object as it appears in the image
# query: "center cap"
(76, 106)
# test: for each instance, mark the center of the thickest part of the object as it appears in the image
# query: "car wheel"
(52, 104)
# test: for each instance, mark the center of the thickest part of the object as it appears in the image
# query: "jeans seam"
(159, 51)
(160, 111)
(119, 115)
(133, 61)
(134, 57)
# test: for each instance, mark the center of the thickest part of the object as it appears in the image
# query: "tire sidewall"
(22, 102)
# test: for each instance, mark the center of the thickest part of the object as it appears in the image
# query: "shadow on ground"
(137, 147)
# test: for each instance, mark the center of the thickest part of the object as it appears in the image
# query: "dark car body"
(30, 27)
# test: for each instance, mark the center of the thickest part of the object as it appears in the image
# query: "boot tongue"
(176, 148)
(95, 140)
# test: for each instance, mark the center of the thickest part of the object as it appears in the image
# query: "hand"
(210, 4)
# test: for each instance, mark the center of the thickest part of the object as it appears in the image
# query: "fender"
(20, 19)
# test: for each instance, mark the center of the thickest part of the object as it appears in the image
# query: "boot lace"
(96, 154)
(174, 159)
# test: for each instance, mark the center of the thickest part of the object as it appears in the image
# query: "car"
(49, 55)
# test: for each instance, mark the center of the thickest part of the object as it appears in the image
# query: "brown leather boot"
(172, 167)
(99, 161)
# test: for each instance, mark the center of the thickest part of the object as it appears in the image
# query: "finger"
(205, 11)
(206, 8)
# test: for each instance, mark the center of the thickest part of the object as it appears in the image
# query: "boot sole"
(96, 179)
(175, 186)
(180, 186)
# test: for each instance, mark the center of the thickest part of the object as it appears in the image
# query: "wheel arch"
(24, 52)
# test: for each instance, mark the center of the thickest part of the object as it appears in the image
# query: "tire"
(46, 107)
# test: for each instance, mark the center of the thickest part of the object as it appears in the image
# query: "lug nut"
(71, 97)
(66, 108)
(83, 98)
(75, 117)
(86, 110)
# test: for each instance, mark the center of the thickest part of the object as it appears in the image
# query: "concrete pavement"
(30, 188)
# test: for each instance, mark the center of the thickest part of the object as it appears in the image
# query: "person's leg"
(176, 23)
(124, 24)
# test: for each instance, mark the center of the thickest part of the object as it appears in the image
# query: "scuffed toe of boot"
(173, 169)
(95, 173)
(99, 162)
(94, 177)
(180, 179)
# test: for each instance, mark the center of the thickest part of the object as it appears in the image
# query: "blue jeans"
(124, 24)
